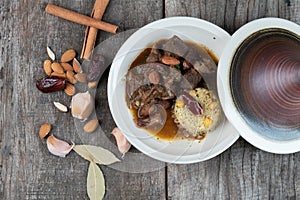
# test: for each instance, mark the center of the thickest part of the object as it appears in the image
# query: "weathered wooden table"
(29, 171)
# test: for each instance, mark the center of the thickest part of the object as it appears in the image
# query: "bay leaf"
(96, 154)
(95, 182)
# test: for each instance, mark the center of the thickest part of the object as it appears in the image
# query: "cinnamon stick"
(79, 18)
(91, 32)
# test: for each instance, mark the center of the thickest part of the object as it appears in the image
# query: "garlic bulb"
(82, 105)
(122, 142)
(58, 147)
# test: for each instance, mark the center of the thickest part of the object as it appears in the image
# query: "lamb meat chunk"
(144, 110)
(166, 104)
(138, 76)
(143, 122)
(186, 65)
(201, 60)
(156, 118)
(176, 45)
(149, 94)
(153, 56)
(193, 77)
(133, 82)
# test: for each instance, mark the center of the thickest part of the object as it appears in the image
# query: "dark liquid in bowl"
(170, 130)
(265, 83)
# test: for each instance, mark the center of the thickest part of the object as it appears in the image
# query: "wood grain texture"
(29, 171)
(241, 172)
(232, 14)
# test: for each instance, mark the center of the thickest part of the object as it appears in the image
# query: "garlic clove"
(82, 105)
(58, 147)
(122, 142)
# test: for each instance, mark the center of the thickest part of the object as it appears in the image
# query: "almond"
(70, 89)
(50, 54)
(154, 77)
(80, 77)
(76, 66)
(91, 126)
(68, 55)
(92, 84)
(70, 77)
(47, 67)
(61, 107)
(56, 67)
(66, 66)
(61, 75)
(44, 130)
(168, 60)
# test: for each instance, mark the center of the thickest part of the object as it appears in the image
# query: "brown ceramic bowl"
(263, 84)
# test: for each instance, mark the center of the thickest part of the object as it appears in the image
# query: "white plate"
(182, 151)
(256, 139)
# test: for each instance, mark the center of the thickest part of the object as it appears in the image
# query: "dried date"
(51, 84)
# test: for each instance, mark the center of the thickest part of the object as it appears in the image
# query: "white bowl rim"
(168, 22)
(257, 140)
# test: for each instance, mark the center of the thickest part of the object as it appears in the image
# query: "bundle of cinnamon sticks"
(93, 23)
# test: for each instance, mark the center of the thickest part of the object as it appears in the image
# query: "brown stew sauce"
(170, 130)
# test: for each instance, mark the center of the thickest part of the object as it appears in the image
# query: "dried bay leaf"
(96, 154)
(83, 152)
(95, 182)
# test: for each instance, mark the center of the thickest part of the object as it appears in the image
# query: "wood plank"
(241, 172)
(28, 170)
(230, 14)
(129, 15)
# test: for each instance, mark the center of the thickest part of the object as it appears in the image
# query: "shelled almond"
(80, 77)
(69, 68)
(168, 60)
(76, 66)
(70, 89)
(44, 130)
(56, 67)
(68, 55)
(50, 54)
(61, 107)
(66, 66)
(92, 84)
(61, 75)
(47, 67)
(91, 126)
(70, 77)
